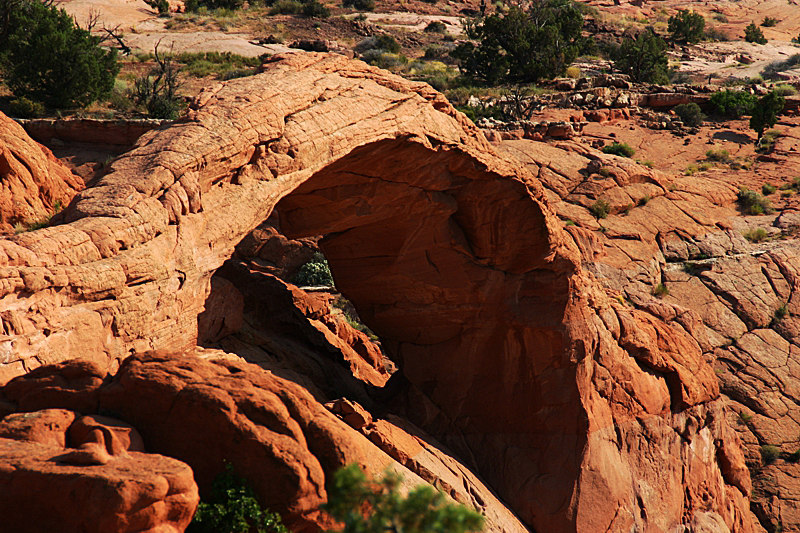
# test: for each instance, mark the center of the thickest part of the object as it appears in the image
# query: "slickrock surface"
(32, 181)
(582, 413)
(736, 299)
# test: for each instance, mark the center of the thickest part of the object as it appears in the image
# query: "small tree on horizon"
(687, 26)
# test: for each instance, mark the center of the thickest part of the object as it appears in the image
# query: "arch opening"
(452, 267)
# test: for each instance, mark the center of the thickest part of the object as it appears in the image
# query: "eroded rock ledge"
(582, 413)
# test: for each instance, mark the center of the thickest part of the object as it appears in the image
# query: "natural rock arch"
(516, 355)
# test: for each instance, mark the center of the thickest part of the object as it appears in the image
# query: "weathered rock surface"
(271, 430)
(101, 482)
(32, 181)
(141, 493)
(736, 299)
(582, 413)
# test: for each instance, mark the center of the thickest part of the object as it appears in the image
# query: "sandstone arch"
(533, 374)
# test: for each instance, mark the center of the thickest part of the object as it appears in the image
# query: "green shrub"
(784, 89)
(286, 7)
(689, 114)
(193, 6)
(423, 510)
(315, 9)
(769, 22)
(732, 104)
(756, 235)
(771, 70)
(765, 112)
(752, 203)
(768, 189)
(436, 26)
(162, 6)
(721, 155)
(233, 508)
(157, 91)
(644, 58)
(360, 5)
(522, 45)
(769, 453)
(660, 290)
(753, 34)
(781, 312)
(316, 272)
(26, 108)
(600, 209)
(687, 26)
(620, 149)
(643, 200)
(45, 57)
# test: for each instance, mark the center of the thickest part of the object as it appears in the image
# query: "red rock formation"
(32, 181)
(583, 414)
(104, 485)
(273, 432)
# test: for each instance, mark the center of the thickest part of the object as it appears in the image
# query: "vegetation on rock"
(690, 114)
(522, 45)
(732, 104)
(233, 508)
(46, 57)
(753, 34)
(643, 58)
(315, 272)
(687, 26)
(620, 149)
(376, 506)
(765, 112)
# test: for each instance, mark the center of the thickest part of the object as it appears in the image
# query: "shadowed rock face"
(582, 413)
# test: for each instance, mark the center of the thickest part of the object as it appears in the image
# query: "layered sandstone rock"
(216, 408)
(32, 181)
(582, 413)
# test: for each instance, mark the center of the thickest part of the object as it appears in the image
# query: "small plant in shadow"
(600, 209)
(314, 273)
(660, 290)
(233, 507)
(769, 453)
(620, 149)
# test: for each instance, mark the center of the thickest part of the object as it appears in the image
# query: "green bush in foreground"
(44, 56)
(424, 510)
(233, 508)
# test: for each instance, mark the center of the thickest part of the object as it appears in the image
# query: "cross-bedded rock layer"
(582, 413)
